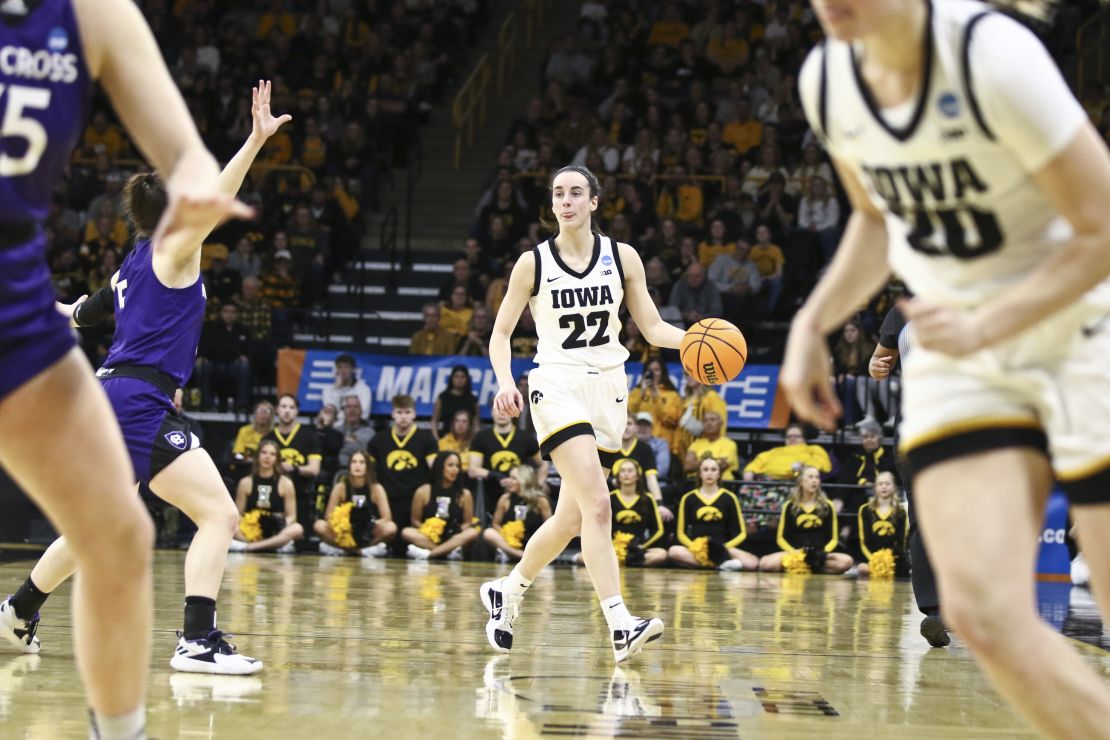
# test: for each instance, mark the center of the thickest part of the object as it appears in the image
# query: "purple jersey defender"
(157, 331)
(44, 93)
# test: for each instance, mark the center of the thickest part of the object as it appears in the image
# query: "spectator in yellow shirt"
(102, 134)
(656, 395)
(457, 311)
(432, 339)
(770, 260)
(716, 245)
(670, 30)
(461, 435)
(713, 443)
(697, 401)
(249, 435)
(744, 133)
(785, 462)
(727, 51)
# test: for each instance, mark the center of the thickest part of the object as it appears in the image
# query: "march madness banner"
(753, 398)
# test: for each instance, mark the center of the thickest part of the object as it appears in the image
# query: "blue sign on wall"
(750, 397)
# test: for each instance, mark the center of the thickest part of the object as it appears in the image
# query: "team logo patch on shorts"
(178, 440)
(949, 104)
(536, 396)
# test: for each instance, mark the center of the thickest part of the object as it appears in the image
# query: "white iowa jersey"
(577, 313)
(963, 216)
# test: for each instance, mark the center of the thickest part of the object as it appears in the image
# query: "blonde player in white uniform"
(975, 175)
(574, 284)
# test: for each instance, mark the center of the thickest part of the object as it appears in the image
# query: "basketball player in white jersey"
(975, 175)
(574, 284)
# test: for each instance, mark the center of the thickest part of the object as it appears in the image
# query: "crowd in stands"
(357, 77)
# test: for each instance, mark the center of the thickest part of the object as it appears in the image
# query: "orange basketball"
(713, 351)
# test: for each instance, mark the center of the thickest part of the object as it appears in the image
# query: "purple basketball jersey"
(44, 92)
(156, 326)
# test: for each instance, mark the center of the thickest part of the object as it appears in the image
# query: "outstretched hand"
(265, 125)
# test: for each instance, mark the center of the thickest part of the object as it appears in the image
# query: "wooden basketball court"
(359, 648)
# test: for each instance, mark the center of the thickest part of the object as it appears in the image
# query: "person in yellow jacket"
(697, 401)
(656, 395)
(783, 463)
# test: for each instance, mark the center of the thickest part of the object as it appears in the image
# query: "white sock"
(616, 613)
(130, 726)
(515, 584)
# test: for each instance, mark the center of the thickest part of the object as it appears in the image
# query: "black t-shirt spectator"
(503, 453)
(450, 404)
(639, 453)
(220, 342)
(401, 464)
(301, 445)
(223, 285)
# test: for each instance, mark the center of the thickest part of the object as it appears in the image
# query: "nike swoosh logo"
(551, 280)
(620, 400)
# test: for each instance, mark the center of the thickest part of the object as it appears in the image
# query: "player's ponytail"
(144, 200)
(595, 192)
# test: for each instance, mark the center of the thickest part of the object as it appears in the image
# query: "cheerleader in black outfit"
(883, 525)
(271, 494)
(808, 524)
(524, 502)
(637, 522)
(368, 525)
(442, 513)
(711, 525)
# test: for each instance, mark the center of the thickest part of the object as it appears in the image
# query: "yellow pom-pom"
(340, 523)
(513, 532)
(251, 526)
(882, 563)
(795, 562)
(621, 541)
(433, 528)
(699, 548)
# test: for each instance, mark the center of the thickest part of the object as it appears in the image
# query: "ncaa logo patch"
(57, 40)
(949, 104)
(178, 440)
(606, 260)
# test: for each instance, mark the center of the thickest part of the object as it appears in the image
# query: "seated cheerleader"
(442, 513)
(883, 531)
(267, 505)
(637, 524)
(357, 520)
(520, 512)
(711, 525)
(807, 531)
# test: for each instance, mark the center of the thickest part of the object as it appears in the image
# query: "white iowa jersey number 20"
(963, 216)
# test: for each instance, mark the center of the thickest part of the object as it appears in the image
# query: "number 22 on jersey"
(16, 100)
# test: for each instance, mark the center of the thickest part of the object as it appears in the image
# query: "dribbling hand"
(509, 402)
(805, 378)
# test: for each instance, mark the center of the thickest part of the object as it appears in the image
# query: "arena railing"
(469, 108)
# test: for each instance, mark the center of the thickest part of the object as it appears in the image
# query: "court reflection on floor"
(359, 648)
